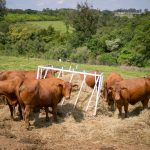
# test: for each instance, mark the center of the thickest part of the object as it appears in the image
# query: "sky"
(100, 4)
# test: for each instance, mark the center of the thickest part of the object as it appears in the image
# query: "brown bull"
(130, 91)
(42, 93)
(111, 79)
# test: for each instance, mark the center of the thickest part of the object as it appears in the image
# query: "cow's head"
(115, 92)
(109, 99)
(66, 89)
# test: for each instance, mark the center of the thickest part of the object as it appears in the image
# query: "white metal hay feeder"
(97, 89)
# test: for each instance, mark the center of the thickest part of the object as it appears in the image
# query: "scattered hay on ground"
(78, 130)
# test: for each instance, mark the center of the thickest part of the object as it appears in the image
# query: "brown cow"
(32, 74)
(6, 75)
(89, 80)
(10, 74)
(111, 79)
(130, 91)
(8, 89)
(42, 93)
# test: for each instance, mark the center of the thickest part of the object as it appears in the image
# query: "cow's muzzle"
(67, 97)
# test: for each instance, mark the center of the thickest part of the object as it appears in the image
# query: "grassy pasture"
(57, 25)
(24, 63)
(129, 15)
(28, 17)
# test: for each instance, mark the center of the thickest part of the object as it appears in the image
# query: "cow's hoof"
(28, 127)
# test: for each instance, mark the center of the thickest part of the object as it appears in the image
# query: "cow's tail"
(18, 89)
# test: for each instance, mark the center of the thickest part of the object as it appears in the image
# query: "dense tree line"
(99, 37)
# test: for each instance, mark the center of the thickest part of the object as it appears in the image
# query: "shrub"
(107, 59)
(80, 55)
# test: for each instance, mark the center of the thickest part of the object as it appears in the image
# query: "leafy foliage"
(84, 21)
(95, 37)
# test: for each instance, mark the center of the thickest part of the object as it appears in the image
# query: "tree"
(113, 44)
(2, 9)
(85, 21)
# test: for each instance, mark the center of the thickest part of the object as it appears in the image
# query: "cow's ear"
(123, 88)
(75, 85)
(61, 85)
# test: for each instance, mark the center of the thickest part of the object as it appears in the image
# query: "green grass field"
(17, 17)
(58, 25)
(129, 15)
(22, 63)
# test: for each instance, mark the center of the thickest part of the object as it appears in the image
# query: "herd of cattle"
(23, 89)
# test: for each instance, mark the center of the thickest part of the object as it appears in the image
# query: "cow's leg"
(54, 112)
(11, 111)
(145, 103)
(20, 112)
(126, 109)
(22, 107)
(46, 111)
(111, 104)
(119, 106)
(23, 112)
(27, 113)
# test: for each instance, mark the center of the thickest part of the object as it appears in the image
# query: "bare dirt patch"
(78, 130)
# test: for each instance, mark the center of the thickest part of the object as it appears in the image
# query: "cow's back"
(90, 79)
(148, 85)
(112, 78)
(28, 91)
(11, 74)
(134, 89)
(40, 93)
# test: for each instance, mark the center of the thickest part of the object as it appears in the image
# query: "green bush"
(107, 59)
(80, 55)
(4, 26)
